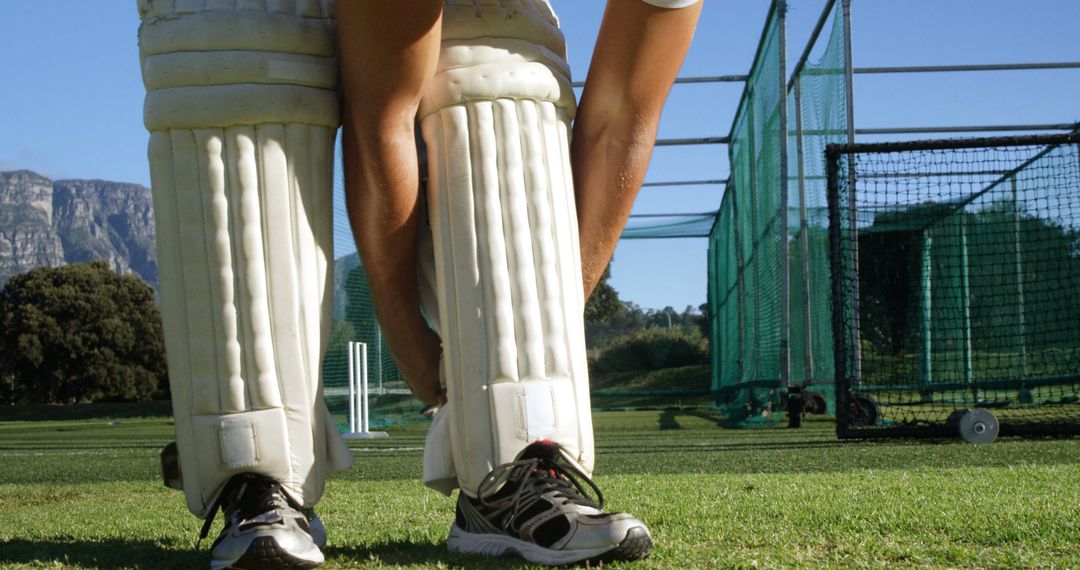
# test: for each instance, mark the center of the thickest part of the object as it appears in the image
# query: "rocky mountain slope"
(46, 222)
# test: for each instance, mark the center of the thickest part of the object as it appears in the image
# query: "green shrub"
(652, 349)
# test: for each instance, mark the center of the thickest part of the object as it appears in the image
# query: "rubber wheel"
(863, 410)
(978, 426)
(815, 404)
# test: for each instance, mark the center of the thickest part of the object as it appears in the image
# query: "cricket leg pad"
(242, 110)
(496, 126)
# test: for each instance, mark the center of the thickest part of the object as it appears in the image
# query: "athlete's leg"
(496, 122)
(242, 111)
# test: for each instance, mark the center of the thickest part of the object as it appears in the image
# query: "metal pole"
(677, 214)
(785, 269)
(685, 183)
(810, 43)
(926, 312)
(804, 228)
(1018, 253)
(740, 266)
(692, 141)
(967, 129)
(753, 191)
(983, 67)
(965, 299)
(352, 389)
(695, 79)
(378, 353)
(363, 388)
(849, 92)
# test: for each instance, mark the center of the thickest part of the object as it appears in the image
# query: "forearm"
(610, 160)
(638, 53)
(388, 53)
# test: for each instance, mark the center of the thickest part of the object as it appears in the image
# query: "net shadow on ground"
(108, 554)
(407, 553)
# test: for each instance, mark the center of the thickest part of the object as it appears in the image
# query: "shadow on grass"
(112, 554)
(668, 418)
(404, 553)
(106, 553)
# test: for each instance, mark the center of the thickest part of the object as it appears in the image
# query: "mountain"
(46, 222)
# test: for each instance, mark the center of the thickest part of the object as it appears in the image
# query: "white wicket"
(359, 406)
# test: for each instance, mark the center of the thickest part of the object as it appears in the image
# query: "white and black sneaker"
(544, 513)
(264, 528)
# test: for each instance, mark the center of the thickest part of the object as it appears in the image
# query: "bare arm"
(388, 52)
(638, 53)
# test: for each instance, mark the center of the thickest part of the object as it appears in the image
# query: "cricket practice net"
(956, 284)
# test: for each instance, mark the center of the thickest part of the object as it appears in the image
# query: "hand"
(419, 365)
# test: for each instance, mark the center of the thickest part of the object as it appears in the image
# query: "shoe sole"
(634, 546)
(265, 554)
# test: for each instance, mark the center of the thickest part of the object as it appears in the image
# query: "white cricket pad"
(242, 110)
(496, 124)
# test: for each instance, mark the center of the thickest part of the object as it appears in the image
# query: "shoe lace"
(248, 495)
(532, 478)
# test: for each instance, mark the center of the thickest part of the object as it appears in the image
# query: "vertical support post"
(785, 269)
(352, 388)
(379, 353)
(359, 395)
(849, 89)
(926, 313)
(363, 387)
(751, 193)
(1026, 397)
(804, 231)
(965, 298)
(740, 266)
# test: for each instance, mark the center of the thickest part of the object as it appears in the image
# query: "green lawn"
(85, 492)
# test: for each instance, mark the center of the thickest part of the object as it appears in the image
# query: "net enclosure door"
(956, 284)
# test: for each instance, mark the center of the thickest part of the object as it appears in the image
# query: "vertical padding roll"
(519, 239)
(556, 129)
(278, 191)
(540, 186)
(171, 287)
(301, 226)
(248, 247)
(502, 357)
(465, 336)
(201, 338)
(219, 255)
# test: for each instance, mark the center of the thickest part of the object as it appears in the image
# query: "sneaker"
(264, 528)
(543, 513)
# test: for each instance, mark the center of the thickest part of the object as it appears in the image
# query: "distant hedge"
(652, 348)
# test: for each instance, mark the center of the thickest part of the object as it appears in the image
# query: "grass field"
(84, 491)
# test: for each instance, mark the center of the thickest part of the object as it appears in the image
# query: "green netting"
(673, 226)
(817, 115)
(960, 283)
(354, 321)
(770, 217)
(746, 247)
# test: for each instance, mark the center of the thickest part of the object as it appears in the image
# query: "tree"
(80, 333)
(604, 302)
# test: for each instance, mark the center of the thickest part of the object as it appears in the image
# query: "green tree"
(604, 302)
(80, 333)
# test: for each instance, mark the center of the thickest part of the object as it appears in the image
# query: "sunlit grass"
(86, 493)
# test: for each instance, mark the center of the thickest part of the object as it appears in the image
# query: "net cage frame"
(928, 397)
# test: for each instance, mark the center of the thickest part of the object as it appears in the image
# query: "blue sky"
(71, 94)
